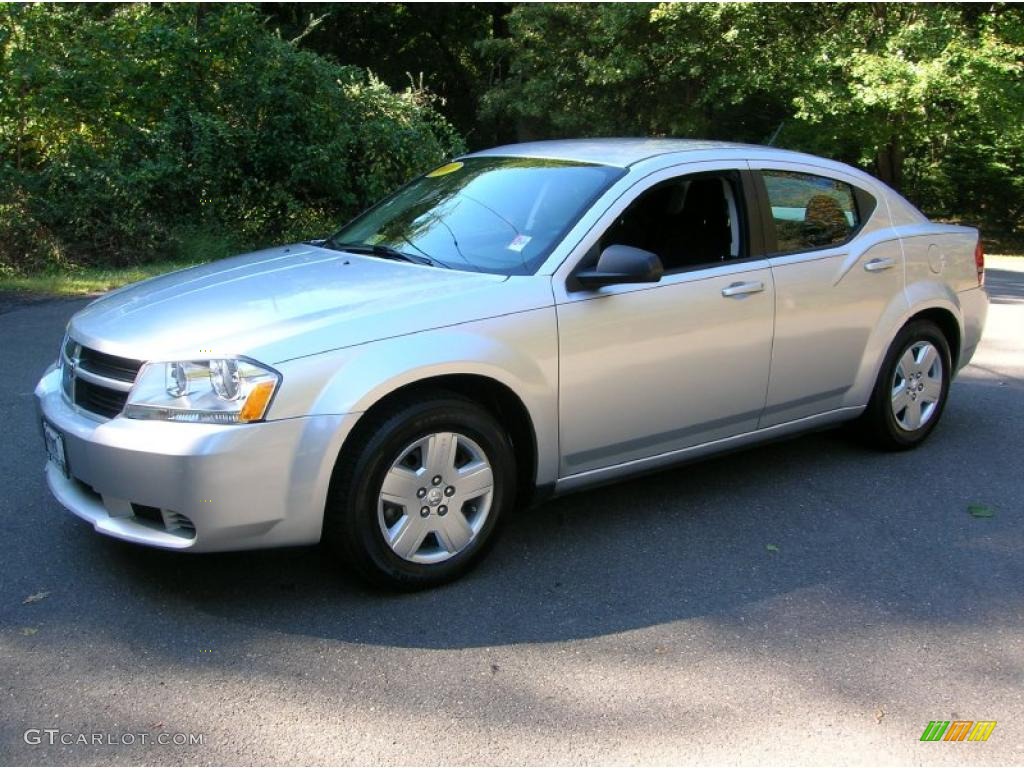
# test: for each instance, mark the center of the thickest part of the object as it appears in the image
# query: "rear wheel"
(417, 501)
(911, 390)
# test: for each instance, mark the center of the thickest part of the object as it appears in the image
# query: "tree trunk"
(889, 162)
(499, 19)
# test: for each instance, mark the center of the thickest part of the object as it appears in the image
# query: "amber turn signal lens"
(256, 403)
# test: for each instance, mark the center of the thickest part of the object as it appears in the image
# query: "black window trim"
(864, 202)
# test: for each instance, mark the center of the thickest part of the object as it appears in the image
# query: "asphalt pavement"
(803, 603)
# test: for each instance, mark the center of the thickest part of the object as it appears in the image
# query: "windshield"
(501, 215)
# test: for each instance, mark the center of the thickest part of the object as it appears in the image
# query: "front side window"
(501, 215)
(688, 222)
(810, 211)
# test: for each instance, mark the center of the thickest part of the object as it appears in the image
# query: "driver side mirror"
(622, 264)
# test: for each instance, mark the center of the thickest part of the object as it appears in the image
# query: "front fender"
(519, 350)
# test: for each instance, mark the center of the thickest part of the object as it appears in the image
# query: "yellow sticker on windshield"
(444, 170)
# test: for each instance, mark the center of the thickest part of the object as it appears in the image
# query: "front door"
(654, 368)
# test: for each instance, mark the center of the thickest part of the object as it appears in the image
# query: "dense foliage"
(128, 132)
(131, 132)
(436, 44)
(928, 97)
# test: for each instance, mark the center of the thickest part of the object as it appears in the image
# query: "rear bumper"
(239, 486)
(974, 309)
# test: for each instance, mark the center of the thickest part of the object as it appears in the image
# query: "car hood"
(287, 302)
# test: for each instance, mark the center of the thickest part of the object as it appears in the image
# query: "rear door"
(837, 266)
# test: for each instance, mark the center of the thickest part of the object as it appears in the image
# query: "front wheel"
(912, 387)
(417, 501)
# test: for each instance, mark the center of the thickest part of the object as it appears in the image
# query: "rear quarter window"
(809, 211)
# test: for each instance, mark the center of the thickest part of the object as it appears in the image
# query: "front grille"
(95, 381)
(108, 366)
(98, 399)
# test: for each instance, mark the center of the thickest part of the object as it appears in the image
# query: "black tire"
(879, 424)
(351, 525)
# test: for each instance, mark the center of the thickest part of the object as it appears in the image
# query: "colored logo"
(958, 730)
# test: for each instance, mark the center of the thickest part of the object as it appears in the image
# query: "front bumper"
(196, 487)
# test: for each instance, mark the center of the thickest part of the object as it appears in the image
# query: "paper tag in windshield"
(518, 243)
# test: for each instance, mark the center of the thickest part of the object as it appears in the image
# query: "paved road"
(641, 623)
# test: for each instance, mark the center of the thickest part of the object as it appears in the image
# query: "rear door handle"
(877, 265)
(742, 289)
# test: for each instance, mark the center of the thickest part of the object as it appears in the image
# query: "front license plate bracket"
(55, 452)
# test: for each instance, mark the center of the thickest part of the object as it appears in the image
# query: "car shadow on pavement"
(713, 539)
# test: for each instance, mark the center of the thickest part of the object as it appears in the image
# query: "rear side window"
(810, 211)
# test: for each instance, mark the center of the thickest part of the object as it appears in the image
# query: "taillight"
(979, 262)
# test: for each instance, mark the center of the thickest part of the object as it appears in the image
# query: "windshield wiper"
(384, 252)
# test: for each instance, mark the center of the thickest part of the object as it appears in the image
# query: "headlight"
(223, 391)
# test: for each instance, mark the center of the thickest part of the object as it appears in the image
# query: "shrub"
(131, 133)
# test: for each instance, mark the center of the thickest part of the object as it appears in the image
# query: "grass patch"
(87, 280)
(187, 247)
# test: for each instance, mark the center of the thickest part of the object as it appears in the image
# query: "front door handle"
(742, 289)
(877, 265)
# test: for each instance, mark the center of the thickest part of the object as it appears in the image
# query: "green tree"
(928, 97)
(433, 45)
(672, 69)
(931, 97)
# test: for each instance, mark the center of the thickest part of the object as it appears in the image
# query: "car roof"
(625, 152)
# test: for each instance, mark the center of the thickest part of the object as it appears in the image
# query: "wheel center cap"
(435, 496)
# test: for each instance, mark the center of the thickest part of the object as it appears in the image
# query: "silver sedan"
(521, 322)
